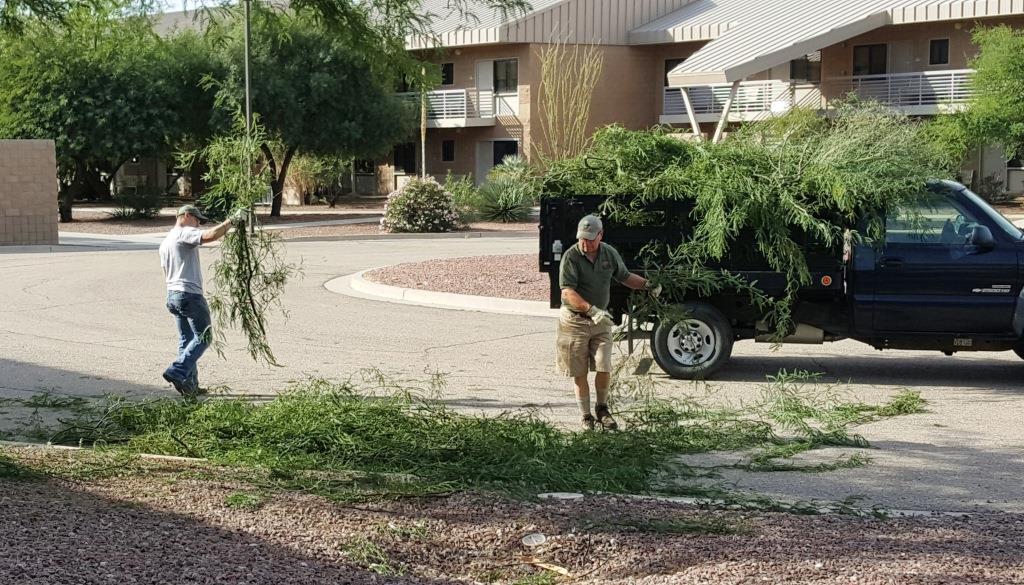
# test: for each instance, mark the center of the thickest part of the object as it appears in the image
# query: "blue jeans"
(192, 316)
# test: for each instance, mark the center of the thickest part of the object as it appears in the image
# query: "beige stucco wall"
(909, 46)
(28, 192)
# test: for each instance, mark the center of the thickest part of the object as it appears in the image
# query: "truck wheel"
(695, 348)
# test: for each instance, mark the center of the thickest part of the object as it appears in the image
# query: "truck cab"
(947, 277)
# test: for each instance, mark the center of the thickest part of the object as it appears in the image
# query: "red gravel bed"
(509, 277)
(165, 526)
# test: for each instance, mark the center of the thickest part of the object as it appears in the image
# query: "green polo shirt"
(592, 280)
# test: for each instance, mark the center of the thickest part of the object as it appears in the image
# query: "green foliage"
(349, 441)
(144, 203)
(464, 194)
(318, 176)
(250, 276)
(100, 85)
(504, 198)
(774, 182)
(996, 112)
(316, 93)
(366, 553)
(244, 501)
(420, 206)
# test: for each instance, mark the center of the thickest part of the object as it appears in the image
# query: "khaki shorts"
(581, 345)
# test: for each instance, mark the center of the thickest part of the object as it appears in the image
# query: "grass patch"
(546, 578)
(244, 501)
(366, 553)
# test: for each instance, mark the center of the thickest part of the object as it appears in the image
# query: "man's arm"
(635, 282)
(574, 300)
(216, 232)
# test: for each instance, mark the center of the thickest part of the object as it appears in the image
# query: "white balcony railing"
(751, 97)
(927, 92)
(447, 104)
(903, 90)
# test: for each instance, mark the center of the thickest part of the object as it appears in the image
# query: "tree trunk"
(277, 183)
(197, 186)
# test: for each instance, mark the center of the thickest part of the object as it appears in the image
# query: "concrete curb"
(355, 285)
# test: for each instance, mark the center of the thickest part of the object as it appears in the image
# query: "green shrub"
(516, 168)
(465, 195)
(505, 199)
(422, 205)
(138, 204)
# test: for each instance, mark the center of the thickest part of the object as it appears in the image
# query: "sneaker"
(179, 385)
(604, 416)
(588, 422)
(182, 386)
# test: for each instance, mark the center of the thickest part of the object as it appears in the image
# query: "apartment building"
(698, 65)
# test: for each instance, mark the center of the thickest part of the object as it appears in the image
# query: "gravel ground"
(510, 277)
(168, 526)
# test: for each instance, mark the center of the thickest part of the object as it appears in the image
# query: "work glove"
(600, 316)
(654, 291)
(240, 217)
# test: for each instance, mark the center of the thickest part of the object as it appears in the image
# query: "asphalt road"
(85, 322)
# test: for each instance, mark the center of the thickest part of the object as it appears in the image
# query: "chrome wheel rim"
(692, 343)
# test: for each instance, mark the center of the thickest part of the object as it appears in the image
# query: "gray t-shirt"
(179, 255)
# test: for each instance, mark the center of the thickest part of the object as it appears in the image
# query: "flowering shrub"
(422, 205)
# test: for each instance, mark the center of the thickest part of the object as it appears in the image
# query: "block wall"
(28, 192)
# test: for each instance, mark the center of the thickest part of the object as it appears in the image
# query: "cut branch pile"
(774, 181)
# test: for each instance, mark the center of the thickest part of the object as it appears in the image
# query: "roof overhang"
(745, 51)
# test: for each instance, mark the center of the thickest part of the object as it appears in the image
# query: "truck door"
(931, 277)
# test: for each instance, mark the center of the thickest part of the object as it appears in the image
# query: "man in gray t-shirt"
(179, 256)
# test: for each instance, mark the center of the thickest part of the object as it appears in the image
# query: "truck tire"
(695, 348)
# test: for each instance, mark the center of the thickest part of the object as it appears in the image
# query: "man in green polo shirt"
(584, 340)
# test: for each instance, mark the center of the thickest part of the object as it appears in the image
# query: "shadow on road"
(891, 369)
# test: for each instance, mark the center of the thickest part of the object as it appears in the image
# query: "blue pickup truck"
(947, 277)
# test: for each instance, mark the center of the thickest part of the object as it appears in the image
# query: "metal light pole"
(248, 90)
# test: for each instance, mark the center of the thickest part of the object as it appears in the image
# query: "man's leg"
(583, 399)
(573, 359)
(197, 314)
(601, 349)
(173, 374)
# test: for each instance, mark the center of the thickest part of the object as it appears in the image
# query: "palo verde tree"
(100, 85)
(15, 13)
(314, 94)
(996, 112)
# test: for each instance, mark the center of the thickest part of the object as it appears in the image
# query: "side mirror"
(981, 237)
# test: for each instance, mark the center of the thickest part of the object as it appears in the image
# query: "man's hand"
(600, 316)
(239, 218)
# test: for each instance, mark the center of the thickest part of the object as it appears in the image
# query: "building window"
(938, 52)
(671, 64)
(1016, 163)
(447, 151)
(447, 73)
(806, 68)
(870, 59)
(506, 76)
(405, 158)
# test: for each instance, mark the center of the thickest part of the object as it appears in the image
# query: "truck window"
(936, 220)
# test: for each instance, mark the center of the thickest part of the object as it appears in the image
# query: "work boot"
(588, 422)
(604, 416)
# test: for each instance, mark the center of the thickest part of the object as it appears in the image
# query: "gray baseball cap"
(590, 226)
(193, 211)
